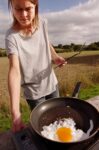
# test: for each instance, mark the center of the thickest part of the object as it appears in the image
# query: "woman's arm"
(14, 79)
(56, 58)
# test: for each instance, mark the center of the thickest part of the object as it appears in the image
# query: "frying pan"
(65, 107)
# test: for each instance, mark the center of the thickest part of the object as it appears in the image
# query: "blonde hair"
(15, 24)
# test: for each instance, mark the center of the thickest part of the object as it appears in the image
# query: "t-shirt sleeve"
(10, 45)
(45, 29)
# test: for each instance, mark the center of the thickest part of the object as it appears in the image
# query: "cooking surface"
(28, 140)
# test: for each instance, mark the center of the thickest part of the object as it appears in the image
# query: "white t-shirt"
(38, 77)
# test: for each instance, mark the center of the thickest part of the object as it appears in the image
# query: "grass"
(84, 68)
(89, 92)
(5, 117)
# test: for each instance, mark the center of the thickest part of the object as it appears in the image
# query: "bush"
(3, 54)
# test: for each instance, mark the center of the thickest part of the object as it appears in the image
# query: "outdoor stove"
(28, 140)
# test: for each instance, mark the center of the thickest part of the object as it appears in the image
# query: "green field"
(84, 68)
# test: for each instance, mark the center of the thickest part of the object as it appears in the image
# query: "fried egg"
(63, 130)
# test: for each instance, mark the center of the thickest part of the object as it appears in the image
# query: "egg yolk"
(64, 134)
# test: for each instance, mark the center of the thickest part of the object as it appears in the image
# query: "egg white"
(50, 130)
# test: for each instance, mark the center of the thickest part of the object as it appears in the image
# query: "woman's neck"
(26, 31)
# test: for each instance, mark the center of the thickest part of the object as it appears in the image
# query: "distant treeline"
(65, 48)
(3, 52)
(74, 47)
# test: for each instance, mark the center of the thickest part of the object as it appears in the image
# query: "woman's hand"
(59, 61)
(17, 123)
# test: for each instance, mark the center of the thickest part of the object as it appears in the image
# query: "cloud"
(75, 25)
(4, 25)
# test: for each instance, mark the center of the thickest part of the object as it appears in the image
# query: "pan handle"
(76, 90)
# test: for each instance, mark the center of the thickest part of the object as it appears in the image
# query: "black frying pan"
(81, 111)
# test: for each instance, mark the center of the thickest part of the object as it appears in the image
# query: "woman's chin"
(25, 24)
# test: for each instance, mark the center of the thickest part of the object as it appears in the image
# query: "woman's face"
(23, 11)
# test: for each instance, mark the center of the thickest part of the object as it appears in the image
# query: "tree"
(92, 46)
(60, 46)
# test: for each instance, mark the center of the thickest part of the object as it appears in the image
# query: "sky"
(69, 21)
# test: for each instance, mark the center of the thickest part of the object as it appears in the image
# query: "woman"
(30, 55)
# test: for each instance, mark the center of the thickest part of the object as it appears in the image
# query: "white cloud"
(75, 25)
(78, 24)
(4, 25)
